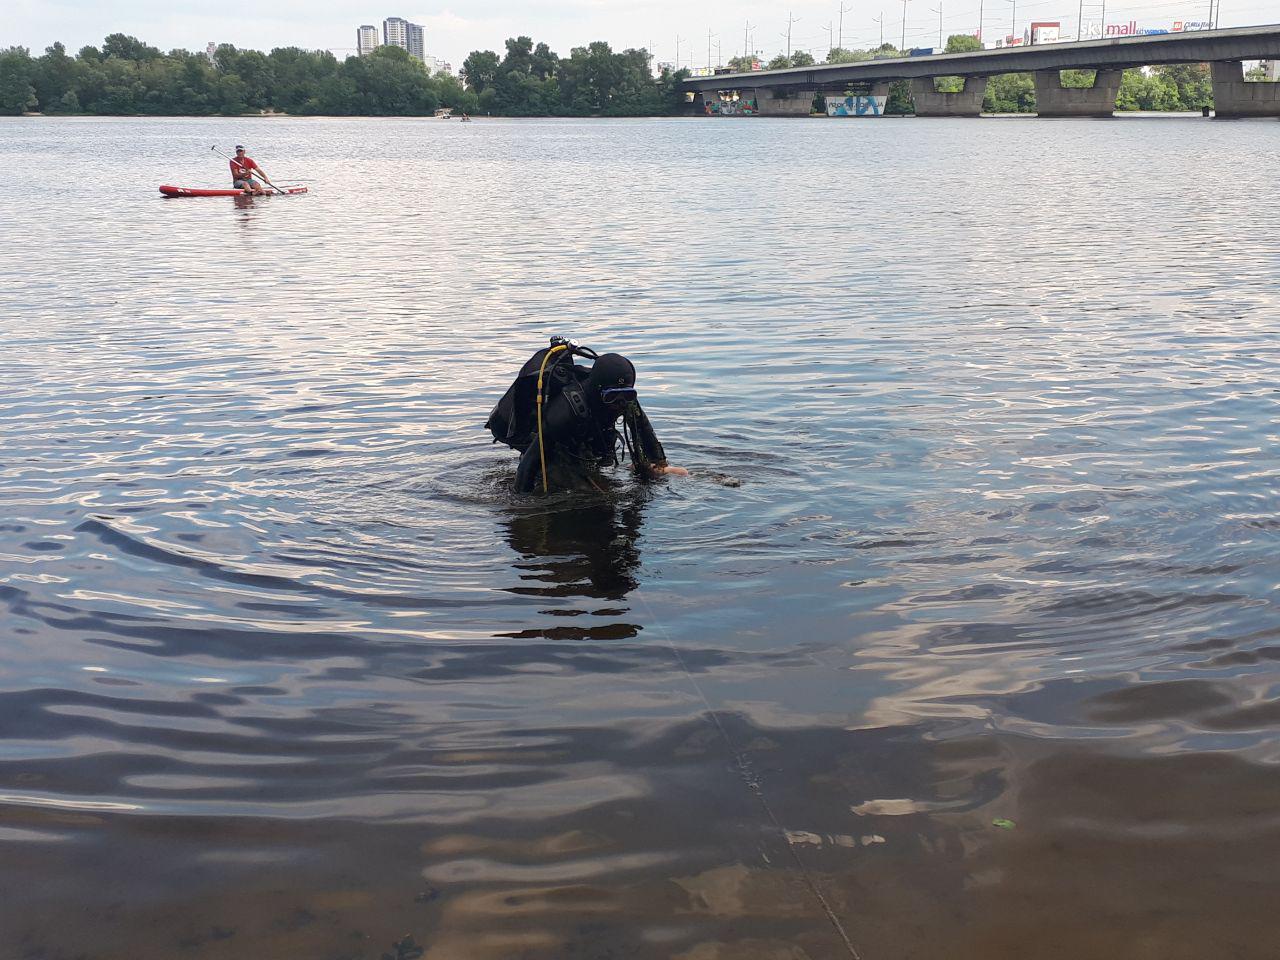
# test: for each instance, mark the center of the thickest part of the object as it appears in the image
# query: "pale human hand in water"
(671, 471)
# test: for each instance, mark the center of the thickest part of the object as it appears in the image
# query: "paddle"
(261, 175)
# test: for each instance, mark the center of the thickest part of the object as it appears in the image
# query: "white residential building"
(394, 33)
(366, 39)
(399, 32)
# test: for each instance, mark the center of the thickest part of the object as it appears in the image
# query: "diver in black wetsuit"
(573, 431)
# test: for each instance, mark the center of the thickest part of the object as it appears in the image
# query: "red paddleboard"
(196, 192)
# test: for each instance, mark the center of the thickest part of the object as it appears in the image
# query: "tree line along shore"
(126, 77)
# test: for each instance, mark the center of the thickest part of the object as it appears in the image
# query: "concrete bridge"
(791, 92)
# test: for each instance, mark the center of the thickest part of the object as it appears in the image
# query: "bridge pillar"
(784, 101)
(1234, 97)
(930, 103)
(1055, 100)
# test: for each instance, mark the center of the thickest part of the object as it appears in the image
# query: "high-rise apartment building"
(401, 33)
(393, 32)
(366, 39)
(413, 36)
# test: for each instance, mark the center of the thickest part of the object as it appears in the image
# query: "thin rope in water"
(751, 781)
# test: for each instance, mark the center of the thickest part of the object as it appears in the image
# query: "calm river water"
(979, 661)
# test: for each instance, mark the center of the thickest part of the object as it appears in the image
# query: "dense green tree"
(1078, 79)
(232, 94)
(588, 78)
(1192, 81)
(299, 76)
(1010, 93)
(479, 69)
(54, 77)
(899, 98)
(123, 47)
(780, 62)
(519, 57)
(338, 96)
(802, 58)
(963, 43)
(544, 63)
(390, 82)
(841, 55)
(1138, 91)
(254, 69)
(17, 76)
(127, 76)
(517, 88)
(453, 95)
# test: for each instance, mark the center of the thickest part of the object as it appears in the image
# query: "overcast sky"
(454, 29)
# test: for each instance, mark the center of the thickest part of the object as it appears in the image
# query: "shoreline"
(35, 115)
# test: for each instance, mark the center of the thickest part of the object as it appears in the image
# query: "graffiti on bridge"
(856, 106)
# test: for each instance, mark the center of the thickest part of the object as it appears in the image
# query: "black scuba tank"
(513, 420)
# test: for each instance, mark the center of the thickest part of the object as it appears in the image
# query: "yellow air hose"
(542, 454)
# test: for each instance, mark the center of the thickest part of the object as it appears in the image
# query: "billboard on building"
(1044, 32)
(856, 105)
(1097, 31)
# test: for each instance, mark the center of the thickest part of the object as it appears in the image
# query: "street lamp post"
(939, 13)
(843, 11)
(880, 20)
(791, 20)
(1013, 22)
(904, 27)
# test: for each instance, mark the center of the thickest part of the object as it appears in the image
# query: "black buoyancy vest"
(513, 420)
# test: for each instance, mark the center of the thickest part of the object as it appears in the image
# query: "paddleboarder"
(242, 168)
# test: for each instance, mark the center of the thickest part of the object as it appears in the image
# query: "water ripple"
(981, 531)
